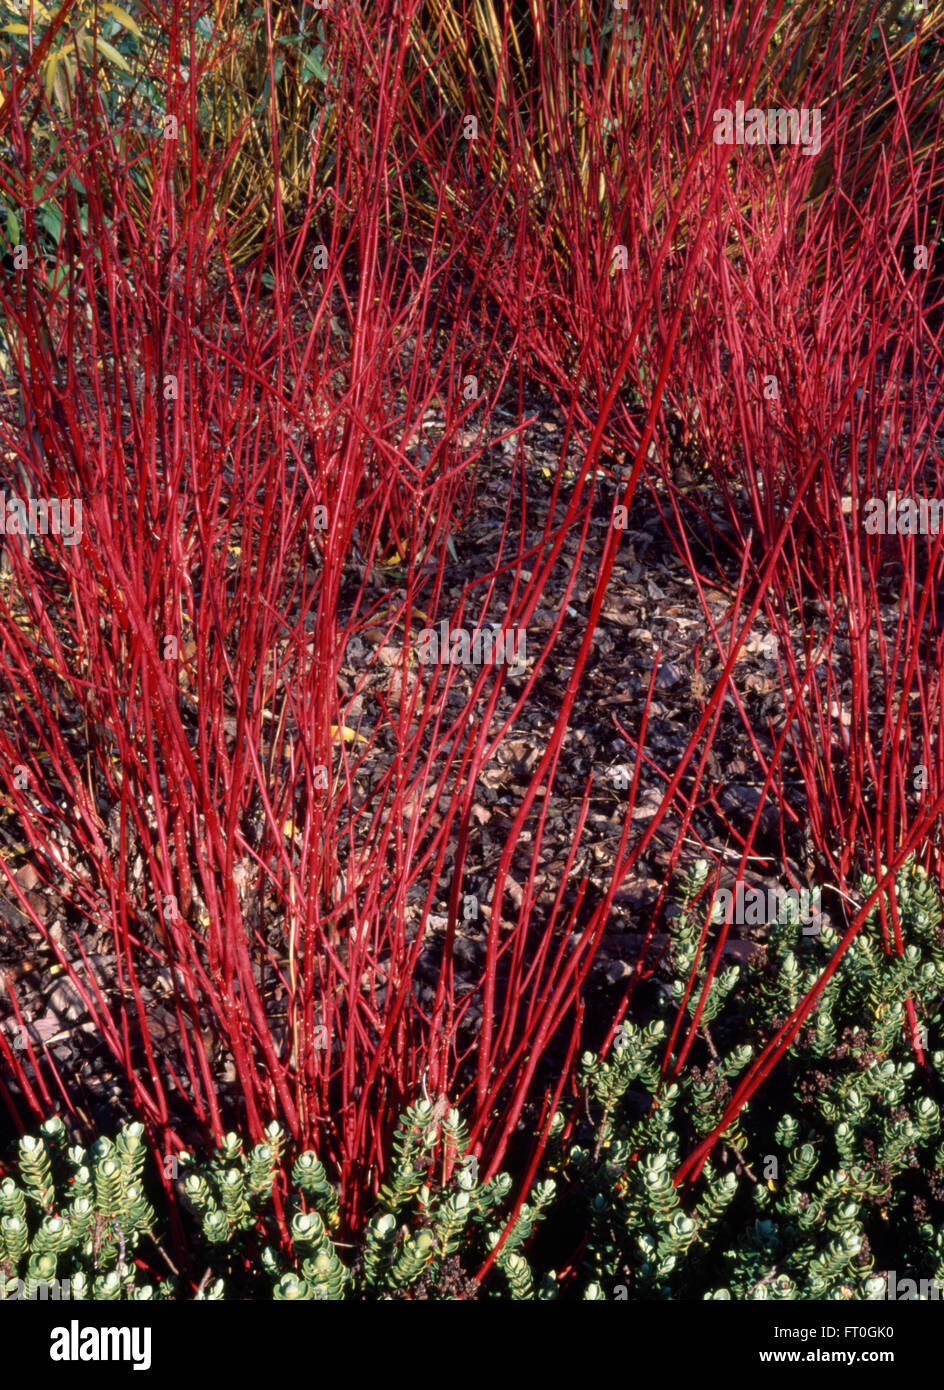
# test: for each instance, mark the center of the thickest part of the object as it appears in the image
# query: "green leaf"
(13, 228)
(312, 66)
(51, 218)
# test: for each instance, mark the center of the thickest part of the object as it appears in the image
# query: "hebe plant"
(412, 1240)
(77, 1215)
(835, 1171)
(68, 1221)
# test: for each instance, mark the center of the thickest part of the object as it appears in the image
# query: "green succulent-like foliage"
(461, 1215)
(835, 1171)
(75, 1217)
